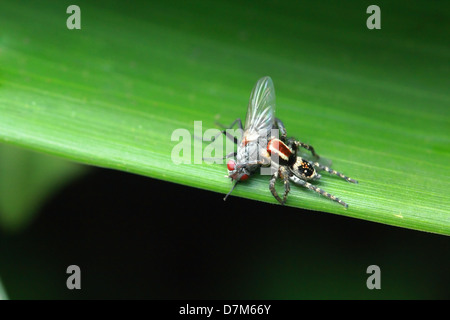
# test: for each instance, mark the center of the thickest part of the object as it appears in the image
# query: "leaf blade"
(112, 98)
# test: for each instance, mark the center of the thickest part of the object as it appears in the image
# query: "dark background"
(136, 237)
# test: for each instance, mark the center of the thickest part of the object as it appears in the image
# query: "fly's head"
(305, 170)
(237, 172)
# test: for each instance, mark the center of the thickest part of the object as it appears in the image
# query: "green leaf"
(27, 180)
(112, 93)
(3, 295)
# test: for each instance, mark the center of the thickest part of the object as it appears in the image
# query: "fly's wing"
(261, 107)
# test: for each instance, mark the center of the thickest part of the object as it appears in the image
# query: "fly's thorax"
(249, 154)
(248, 160)
(249, 137)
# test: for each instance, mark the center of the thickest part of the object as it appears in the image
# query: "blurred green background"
(135, 237)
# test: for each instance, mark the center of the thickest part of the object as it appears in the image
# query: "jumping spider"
(292, 167)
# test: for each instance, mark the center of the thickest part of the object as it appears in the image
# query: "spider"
(294, 168)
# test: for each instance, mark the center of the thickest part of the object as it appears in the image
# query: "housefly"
(251, 151)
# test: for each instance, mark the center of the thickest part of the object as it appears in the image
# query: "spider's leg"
(287, 186)
(331, 171)
(272, 187)
(295, 145)
(310, 186)
(298, 144)
(230, 155)
(310, 148)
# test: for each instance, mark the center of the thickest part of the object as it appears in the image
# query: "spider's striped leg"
(310, 186)
(309, 148)
(331, 171)
(287, 186)
(280, 173)
(273, 180)
(294, 144)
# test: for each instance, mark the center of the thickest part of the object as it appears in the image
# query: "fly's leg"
(238, 121)
(310, 186)
(230, 155)
(228, 135)
(225, 132)
(334, 172)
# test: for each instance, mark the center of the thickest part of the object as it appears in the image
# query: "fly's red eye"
(244, 177)
(231, 165)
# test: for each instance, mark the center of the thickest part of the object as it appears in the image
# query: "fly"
(251, 151)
